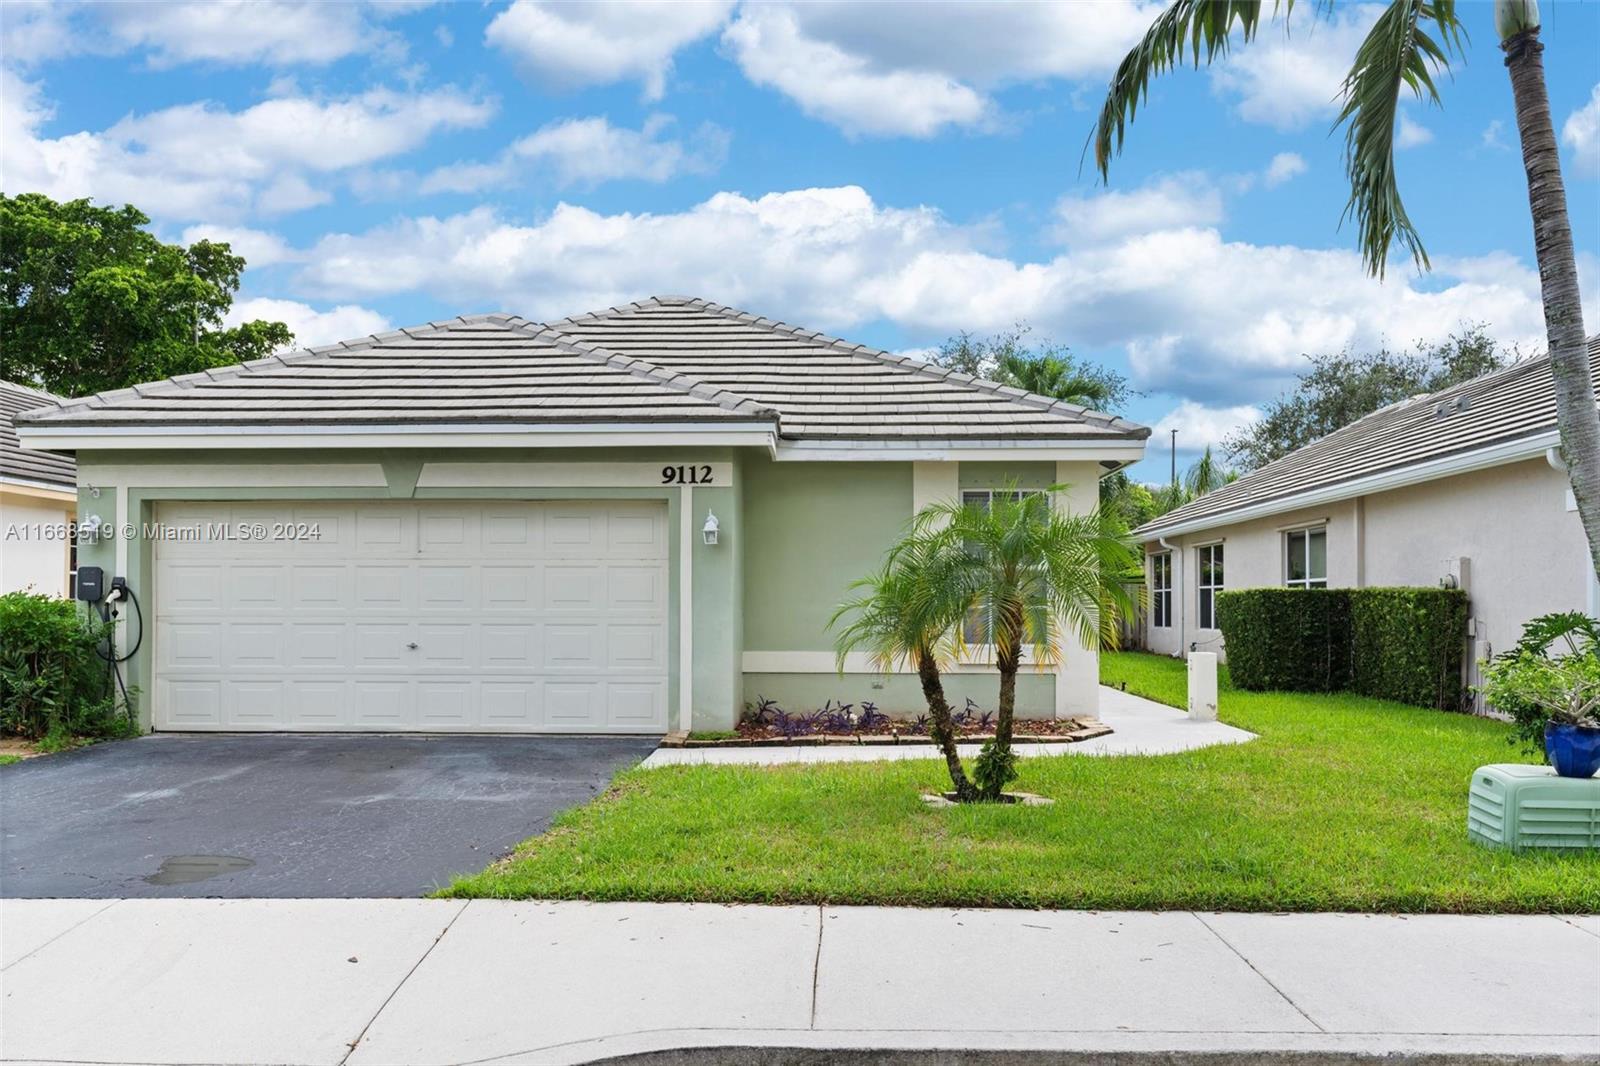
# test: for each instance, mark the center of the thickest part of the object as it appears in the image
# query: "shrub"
(1534, 688)
(54, 683)
(1402, 644)
(1287, 640)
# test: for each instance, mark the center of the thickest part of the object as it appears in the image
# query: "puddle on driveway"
(187, 869)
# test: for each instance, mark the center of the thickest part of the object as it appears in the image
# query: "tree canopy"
(1338, 388)
(90, 300)
(1047, 368)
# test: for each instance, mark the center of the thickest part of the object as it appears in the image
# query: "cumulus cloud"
(310, 326)
(1199, 426)
(571, 46)
(1581, 134)
(589, 151)
(259, 248)
(1289, 76)
(202, 161)
(1218, 321)
(1411, 133)
(1284, 167)
(915, 69)
(1187, 199)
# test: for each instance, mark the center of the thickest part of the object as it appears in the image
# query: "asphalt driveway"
(286, 815)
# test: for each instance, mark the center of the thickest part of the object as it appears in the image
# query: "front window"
(1210, 584)
(972, 630)
(1306, 559)
(1161, 590)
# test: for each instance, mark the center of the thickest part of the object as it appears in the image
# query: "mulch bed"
(896, 731)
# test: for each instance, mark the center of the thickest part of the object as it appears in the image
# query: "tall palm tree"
(1411, 42)
(1206, 475)
(1025, 576)
(1050, 376)
(895, 617)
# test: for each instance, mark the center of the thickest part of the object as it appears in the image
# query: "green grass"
(7, 760)
(1343, 803)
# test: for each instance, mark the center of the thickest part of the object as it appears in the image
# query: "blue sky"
(890, 173)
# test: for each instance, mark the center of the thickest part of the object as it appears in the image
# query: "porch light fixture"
(709, 530)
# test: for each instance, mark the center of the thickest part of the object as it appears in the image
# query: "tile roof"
(23, 464)
(1498, 408)
(660, 360)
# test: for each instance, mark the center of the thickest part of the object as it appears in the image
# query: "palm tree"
(1025, 575)
(1410, 43)
(896, 618)
(1050, 376)
(1206, 475)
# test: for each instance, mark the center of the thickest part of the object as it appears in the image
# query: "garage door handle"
(412, 645)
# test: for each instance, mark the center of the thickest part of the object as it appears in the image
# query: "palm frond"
(1186, 31)
(1398, 53)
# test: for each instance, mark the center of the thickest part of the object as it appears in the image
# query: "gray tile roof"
(1502, 407)
(22, 464)
(659, 360)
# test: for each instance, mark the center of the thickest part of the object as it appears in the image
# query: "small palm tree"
(1410, 43)
(1050, 376)
(1025, 576)
(897, 619)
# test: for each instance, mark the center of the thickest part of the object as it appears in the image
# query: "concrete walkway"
(1139, 727)
(425, 981)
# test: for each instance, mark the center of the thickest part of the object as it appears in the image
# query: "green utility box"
(1517, 806)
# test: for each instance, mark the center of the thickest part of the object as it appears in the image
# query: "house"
(1463, 487)
(628, 521)
(38, 501)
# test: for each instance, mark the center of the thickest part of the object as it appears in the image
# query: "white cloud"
(1289, 79)
(914, 69)
(589, 151)
(1411, 133)
(1187, 199)
(1199, 426)
(200, 161)
(259, 248)
(603, 41)
(1218, 321)
(1284, 166)
(310, 326)
(1490, 138)
(1581, 134)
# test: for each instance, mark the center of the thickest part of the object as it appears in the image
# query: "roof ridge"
(20, 387)
(864, 351)
(673, 379)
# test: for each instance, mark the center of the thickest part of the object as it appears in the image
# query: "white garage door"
(472, 617)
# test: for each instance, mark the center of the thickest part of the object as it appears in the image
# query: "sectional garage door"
(471, 617)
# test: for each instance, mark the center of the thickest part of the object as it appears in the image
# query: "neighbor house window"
(1161, 590)
(972, 629)
(1306, 562)
(1210, 583)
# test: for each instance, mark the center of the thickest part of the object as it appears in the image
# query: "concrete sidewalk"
(426, 981)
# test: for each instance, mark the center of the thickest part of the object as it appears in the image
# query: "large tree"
(90, 300)
(1410, 43)
(1338, 388)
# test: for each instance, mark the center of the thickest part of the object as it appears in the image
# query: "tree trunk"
(943, 728)
(1008, 659)
(1576, 414)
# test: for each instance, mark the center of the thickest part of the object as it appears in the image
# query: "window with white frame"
(1306, 559)
(1161, 590)
(972, 629)
(1210, 583)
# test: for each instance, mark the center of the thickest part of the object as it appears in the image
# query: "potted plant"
(1554, 699)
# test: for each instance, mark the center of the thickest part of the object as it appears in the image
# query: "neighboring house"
(38, 500)
(1463, 486)
(490, 524)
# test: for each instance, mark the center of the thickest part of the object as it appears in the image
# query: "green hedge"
(1402, 644)
(54, 684)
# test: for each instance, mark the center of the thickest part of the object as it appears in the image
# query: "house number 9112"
(686, 475)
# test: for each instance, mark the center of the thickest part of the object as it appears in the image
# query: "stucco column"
(1078, 673)
(715, 611)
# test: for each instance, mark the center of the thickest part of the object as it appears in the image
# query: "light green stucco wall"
(898, 694)
(999, 475)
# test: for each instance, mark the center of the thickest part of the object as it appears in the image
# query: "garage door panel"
(525, 617)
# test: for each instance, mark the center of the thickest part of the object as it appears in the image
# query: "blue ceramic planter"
(1574, 750)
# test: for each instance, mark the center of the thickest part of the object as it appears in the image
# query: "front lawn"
(1342, 804)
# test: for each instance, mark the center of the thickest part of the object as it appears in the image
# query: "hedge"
(54, 683)
(1402, 644)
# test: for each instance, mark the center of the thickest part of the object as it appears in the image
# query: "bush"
(54, 683)
(1534, 687)
(1287, 640)
(1402, 644)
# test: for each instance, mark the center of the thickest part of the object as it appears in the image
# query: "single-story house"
(628, 521)
(1464, 487)
(38, 501)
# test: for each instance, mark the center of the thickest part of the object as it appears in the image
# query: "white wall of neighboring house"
(28, 561)
(1524, 551)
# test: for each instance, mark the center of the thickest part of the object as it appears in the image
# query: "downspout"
(1177, 589)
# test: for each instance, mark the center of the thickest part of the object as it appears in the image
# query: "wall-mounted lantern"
(709, 530)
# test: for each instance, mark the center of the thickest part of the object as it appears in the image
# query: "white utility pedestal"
(1202, 686)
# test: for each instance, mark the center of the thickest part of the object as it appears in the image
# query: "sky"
(889, 173)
